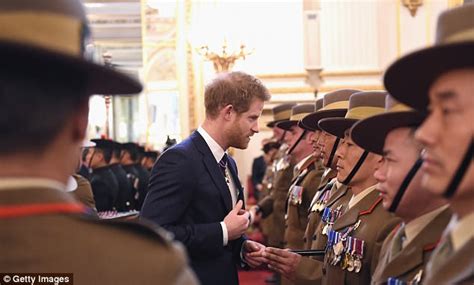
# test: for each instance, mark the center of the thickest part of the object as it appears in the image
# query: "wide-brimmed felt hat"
(281, 113)
(370, 133)
(361, 105)
(297, 113)
(335, 104)
(318, 105)
(409, 78)
(51, 37)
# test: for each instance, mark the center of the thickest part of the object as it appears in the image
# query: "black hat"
(53, 35)
(103, 143)
(396, 115)
(130, 146)
(361, 105)
(409, 78)
(151, 154)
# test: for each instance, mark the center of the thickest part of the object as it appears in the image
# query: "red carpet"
(253, 277)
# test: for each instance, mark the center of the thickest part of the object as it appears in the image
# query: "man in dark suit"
(194, 190)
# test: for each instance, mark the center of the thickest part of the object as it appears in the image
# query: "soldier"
(80, 188)
(149, 159)
(407, 249)
(45, 84)
(356, 231)
(306, 270)
(125, 199)
(137, 175)
(103, 181)
(444, 85)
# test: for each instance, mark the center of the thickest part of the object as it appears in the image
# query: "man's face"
(245, 125)
(93, 157)
(400, 153)
(348, 154)
(295, 133)
(326, 143)
(314, 136)
(448, 131)
(277, 133)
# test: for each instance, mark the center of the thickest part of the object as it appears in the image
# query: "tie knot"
(223, 161)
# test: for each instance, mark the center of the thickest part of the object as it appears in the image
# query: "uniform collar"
(413, 228)
(357, 198)
(461, 230)
(216, 149)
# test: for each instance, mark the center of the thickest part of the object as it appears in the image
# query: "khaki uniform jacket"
(309, 270)
(297, 214)
(414, 256)
(96, 252)
(83, 193)
(458, 268)
(376, 224)
(275, 204)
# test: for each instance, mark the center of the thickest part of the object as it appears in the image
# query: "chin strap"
(297, 142)
(356, 168)
(454, 184)
(333, 152)
(282, 137)
(404, 185)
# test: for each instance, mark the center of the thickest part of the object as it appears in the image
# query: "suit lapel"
(233, 171)
(213, 169)
(339, 193)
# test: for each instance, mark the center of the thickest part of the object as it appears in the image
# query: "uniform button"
(314, 237)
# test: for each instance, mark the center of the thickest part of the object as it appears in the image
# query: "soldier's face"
(295, 133)
(448, 131)
(315, 143)
(244, 125)
(400, 153)
(348, 154)
(326, 144)
(93, 157)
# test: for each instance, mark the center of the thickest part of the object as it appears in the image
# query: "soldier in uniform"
(81, 190)
(444, 85)
(43, 228)
(149, 159)
(137, 175)
(407, 249)
(103, 181)
(306, 270)
(358, 230)
(125, 199)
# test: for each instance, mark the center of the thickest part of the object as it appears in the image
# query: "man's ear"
(227, 112)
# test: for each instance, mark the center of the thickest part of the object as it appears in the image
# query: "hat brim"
(409, 78)
(272, 124)
(98, 79)
(286, 125)
(336, 126)
(370, 133)
(310, 122)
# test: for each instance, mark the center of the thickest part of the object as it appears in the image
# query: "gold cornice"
(307, 89)
(342, 73)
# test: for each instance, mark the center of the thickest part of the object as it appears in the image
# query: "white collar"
(216, 149)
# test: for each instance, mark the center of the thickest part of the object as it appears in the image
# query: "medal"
(350, 262)
(359, 244)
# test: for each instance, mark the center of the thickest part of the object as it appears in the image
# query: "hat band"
(461, 36)
(359, 113)
(336, 105)
(283, 115)
(298, 117)
(45, 30)
(399, 108)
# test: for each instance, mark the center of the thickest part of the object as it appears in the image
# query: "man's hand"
(282, 261)
(237, 221)
(253, 252)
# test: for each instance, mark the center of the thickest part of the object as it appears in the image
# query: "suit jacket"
(95, 251)
(188, 195)
(414, 257)
(258, 170)
(458, 268)
(376, 224)
(105, 188)
(297, 214)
